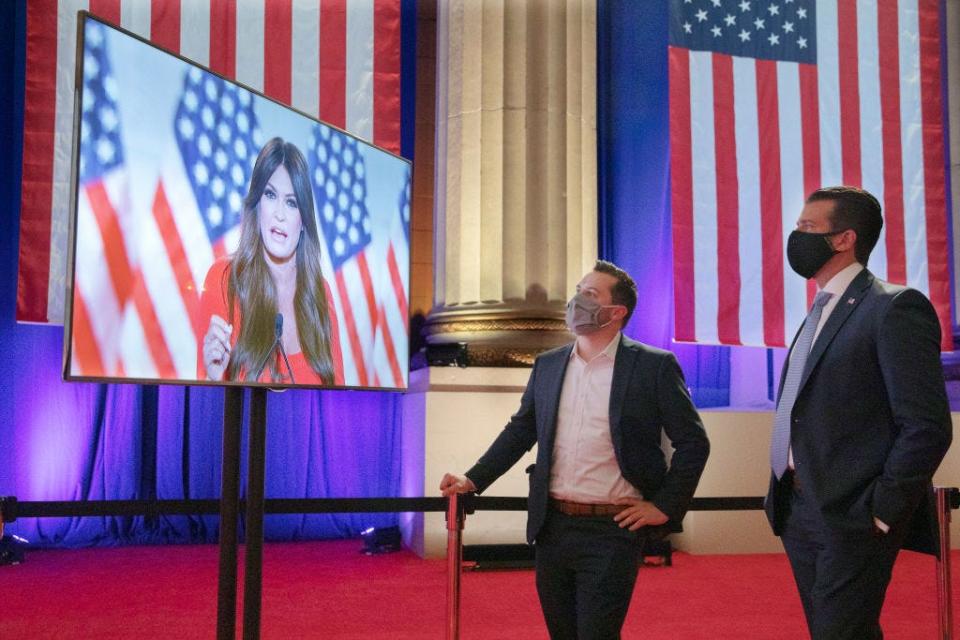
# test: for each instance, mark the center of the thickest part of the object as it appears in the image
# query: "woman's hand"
(216, 347)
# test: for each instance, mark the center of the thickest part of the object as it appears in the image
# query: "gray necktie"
(780, 442)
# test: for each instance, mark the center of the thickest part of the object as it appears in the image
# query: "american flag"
(127, 323)
(374, 353)
(391, 348)
(104, 219)
(194, 219)
(771, 99)
(218, 138)
(338, 60)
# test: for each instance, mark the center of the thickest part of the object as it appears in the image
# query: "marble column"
(515, 204)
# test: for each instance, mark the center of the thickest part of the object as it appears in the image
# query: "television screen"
(220, 237)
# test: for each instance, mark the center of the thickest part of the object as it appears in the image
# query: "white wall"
(452, 415)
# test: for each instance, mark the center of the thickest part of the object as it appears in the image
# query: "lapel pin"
(851, 300)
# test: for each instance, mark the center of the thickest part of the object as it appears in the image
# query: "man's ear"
(619, 313)
(845, 241)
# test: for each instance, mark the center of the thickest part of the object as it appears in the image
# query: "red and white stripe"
(161, 328)
(751, 138)
(130, 320)
(372, 312)
(334, 59)
(101, 293)
(355, 301)
(391, 348)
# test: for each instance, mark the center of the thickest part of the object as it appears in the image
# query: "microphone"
(278, 330)
(277, 342)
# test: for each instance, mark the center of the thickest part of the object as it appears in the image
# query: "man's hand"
(453, 483)
(639, 513)
(880, 527)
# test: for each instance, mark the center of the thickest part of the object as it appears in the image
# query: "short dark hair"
(855, 209)
(624, 291)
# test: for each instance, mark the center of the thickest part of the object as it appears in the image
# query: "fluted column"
(515, 207)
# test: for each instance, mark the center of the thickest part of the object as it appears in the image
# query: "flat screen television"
(219, 237)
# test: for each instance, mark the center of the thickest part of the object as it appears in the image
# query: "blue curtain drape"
(92, 442)
(633, 134)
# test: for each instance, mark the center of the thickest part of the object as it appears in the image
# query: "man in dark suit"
(862, 420)
(601, 485)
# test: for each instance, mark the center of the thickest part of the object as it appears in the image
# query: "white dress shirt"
(836, 285)
(584, 467)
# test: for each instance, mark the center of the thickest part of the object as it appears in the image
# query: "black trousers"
(842, 577)
(586, 570)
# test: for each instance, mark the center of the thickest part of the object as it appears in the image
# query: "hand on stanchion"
(452, 483)
(456, 488)
(462, 487)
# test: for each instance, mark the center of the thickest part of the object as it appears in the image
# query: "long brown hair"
(252, 284)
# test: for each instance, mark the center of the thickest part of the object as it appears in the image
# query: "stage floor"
(332, 590)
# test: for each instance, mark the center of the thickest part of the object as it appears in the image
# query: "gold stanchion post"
(455, 518)
(944, 601)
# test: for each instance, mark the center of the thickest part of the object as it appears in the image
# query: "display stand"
(253, 575)
(229, 512)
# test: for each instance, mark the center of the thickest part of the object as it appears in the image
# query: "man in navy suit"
(862, 420)
(601, 485)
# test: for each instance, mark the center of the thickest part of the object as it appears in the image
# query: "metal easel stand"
(229, 513)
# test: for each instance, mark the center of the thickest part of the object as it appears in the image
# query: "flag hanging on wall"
(771, 99)
(332, 59)
(372, 354)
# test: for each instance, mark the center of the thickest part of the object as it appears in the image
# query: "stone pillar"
(515, 204)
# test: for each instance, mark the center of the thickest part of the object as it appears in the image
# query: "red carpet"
(330, 590)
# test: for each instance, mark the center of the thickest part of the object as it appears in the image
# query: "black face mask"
(808, 252)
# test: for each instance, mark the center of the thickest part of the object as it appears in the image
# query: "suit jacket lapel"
(847, 303)
(552, 385)
(622, 368)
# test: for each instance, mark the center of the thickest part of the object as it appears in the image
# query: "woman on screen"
(275, 270)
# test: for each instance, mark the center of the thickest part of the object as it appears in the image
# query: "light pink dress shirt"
(584, 467)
